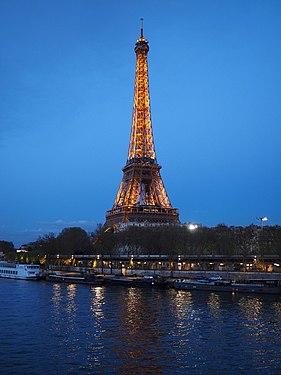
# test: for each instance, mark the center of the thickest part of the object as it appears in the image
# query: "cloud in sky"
(37, 230)
(29, 234)
(57, 225)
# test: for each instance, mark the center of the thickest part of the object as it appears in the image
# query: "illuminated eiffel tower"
(141, 196)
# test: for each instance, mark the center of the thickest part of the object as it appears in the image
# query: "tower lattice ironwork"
(141, 196)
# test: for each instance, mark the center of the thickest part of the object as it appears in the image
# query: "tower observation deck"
(142, 196)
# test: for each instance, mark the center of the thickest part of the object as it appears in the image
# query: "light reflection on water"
(214, 304)
(138, 341)
(251, 308)
(277, 308)
(130, 330)
(95, 330)
(119, 330)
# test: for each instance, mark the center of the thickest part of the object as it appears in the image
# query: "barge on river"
(74, 278)
(141, 282)
(20, 271)
(264, 286)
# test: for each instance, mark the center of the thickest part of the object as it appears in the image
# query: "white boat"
(19, 271)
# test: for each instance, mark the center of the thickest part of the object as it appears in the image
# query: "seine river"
(51, 328)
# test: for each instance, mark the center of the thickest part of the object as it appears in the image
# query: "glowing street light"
(262, 219)
(192, 226)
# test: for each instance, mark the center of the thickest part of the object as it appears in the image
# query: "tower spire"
(141, 196)
(141, 139)
(141, 24)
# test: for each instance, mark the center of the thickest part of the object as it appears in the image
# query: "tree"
(46, 244)
(6, 246)
(73, 240)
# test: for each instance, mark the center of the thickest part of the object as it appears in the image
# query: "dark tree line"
(70, 241)
(169, 240)
(175, 240)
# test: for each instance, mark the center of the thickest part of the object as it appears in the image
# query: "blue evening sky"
(67, 80)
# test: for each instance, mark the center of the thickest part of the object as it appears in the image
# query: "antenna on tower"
(141, 24)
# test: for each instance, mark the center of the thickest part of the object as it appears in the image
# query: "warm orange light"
(141, 191)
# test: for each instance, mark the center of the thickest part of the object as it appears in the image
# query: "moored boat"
(139, 281)
(75, 278)
(121, 280)
(264, 286)
(20, 271)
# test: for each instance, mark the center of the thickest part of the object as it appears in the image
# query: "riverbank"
(204, 281)
(227, 275)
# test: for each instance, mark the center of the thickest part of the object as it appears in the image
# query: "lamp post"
(262, 220)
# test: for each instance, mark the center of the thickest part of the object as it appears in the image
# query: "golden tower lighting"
(141, 196)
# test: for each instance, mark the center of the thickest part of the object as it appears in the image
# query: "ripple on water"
(84, 329)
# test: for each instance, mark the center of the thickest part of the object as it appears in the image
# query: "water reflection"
(63, 323)
(57, 306)
(251, 308)
(71, 305)
(138, 343)
(96, 330)
(277, 308)
(139, 331)
(183, 305)
(57, 296)
(87, 330)
(215, 305)
(185, 315)
(97, 301)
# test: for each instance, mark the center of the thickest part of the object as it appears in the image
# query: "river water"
(50, 328)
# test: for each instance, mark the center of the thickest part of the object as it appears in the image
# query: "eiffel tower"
(141, 197)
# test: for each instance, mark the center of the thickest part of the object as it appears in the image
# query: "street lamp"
(192, 226)
(262, 220)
